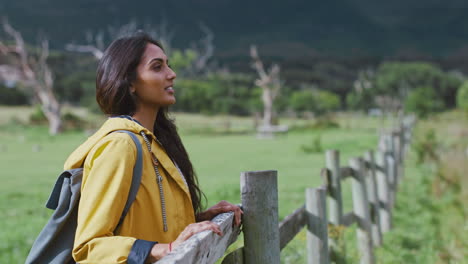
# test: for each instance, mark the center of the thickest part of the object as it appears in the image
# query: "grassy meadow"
(220, 148)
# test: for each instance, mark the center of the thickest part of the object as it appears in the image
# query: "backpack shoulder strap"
(136, 179)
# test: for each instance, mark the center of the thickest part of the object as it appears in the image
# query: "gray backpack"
(55, 242)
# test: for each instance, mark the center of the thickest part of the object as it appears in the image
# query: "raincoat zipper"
(159, 180)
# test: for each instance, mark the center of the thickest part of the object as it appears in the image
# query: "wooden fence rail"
(206, 246)
(374, 179)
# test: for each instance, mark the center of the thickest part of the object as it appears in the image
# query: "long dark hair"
(117, 70)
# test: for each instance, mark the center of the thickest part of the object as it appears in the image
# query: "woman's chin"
(170, 101)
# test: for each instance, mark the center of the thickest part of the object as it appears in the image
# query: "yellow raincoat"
(108, 161)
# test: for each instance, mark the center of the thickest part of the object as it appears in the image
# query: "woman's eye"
(157, 67)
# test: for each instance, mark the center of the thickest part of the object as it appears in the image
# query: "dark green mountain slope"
(283, 29)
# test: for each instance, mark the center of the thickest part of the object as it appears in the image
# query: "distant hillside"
(283, 29)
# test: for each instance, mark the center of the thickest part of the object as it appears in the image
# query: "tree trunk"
(34, 73)
(50, 106)
(52, 112)
(267, 108)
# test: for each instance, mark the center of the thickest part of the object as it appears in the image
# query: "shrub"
(12, 96)
(73, 122)
(423, 101)
(314, 147)
(317, 101)
(218, 94)
(397, 79)
(426, 147)
(462, 97)
(37, 117)
(326, 102)
(302, 101)
(70, 121)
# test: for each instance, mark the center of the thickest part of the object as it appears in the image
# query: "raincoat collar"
(77, 158)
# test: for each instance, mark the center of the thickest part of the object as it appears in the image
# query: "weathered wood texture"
(335, 201)
(235, 257)
(391, 165)
(348, 219)
(205, 247)
(259, 192)
(288, 229)
(291, 225)
(371, 185)
(408, 123)
(398, 142)
(361, 211)
(396, 155)
(346, 172)
(317, 226)
(383, 193)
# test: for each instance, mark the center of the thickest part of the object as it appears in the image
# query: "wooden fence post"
(408, 123)
(260, 221)
(371, 185)
(335, 202)
(361, 211)
(317, 226)
(391, 165)
(401, 152)
(383, 191)
(397, 156)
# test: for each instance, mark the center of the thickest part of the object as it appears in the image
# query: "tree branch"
(97, 53)
(207, 49)
(258, 64)
(20, 49)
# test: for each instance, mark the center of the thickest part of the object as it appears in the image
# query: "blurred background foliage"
(414, 87)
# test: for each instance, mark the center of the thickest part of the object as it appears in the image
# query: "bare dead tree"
(31, 72)
(270, 83)
(204, 50)
(365, 81)
(95, 41)
(388, 103)
(95, 45)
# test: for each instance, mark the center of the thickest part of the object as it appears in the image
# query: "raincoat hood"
(77, 158)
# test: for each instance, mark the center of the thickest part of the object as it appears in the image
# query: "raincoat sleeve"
(107, 178)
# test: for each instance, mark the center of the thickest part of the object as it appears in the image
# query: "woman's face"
(153, 85)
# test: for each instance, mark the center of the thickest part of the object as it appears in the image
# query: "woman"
(135, 86)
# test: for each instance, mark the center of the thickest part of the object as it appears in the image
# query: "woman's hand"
(195, 228)
(222, 207)
(160, 250)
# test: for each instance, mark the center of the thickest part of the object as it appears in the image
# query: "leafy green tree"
(364, 92)
(218, 94)
(326, 102)
(317, 101)
(302, 101)
(334, 77)
(462, 97)
(180, 60)
(75, 77)
(12, 96)
(399, 79)
(360, 100)
(423, 101)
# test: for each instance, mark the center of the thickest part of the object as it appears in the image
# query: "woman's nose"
(171, 75)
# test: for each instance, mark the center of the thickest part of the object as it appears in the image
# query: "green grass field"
(30, 161)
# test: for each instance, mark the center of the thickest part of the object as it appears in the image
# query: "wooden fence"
(374, 179)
